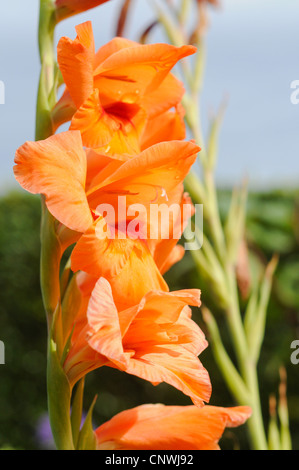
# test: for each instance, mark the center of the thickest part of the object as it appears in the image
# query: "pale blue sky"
(253, 56)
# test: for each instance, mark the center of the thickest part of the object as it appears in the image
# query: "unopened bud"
(67, 8)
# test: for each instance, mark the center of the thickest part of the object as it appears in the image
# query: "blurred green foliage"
(22, 322)
(272, 226)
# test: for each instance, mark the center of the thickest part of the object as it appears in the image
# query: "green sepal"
(59, 401)
(87, 440)
(76, 415)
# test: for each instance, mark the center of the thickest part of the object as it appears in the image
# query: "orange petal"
(167, 95)
(86, 283)
(100, 165)
(131, 72)
(176, 367)
(113, 46)
(166, 343)
(159, 427)
(56, 167)
(126, 263)
(176, 255)
(76, 59)
(139, 276)
(100, 254)
(64, 110)
(105, 335)
(149, 176)
(165, 127)
(166, 307)
(96, 162)
(156, 309)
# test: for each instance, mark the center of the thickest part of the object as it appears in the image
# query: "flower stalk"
(59, 390)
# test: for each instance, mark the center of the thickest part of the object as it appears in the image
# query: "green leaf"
(258, 320)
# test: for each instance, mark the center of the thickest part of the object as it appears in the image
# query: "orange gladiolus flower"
(66, 8)
(58, 168)
(155, 340)
(159, 427)
(75, 185)
(117, 90)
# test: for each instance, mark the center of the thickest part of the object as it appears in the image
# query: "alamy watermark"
(2, 353)
(295, 94)
(295, 353)
(2, 92)
(151, 222)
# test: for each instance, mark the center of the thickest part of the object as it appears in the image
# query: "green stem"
(184, 11)
(247, 367)
(50, 246)
(256, 422)
(58, 387)
(213, 215)
(46, 29)
(228, 370)
(234, 321)
(49, 263)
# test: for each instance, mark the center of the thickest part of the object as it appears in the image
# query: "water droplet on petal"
(164, 194)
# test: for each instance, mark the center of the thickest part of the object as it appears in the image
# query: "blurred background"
(252, 59)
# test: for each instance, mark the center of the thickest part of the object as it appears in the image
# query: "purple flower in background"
(44, 434)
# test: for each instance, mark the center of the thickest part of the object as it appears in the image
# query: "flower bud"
(67, 8)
